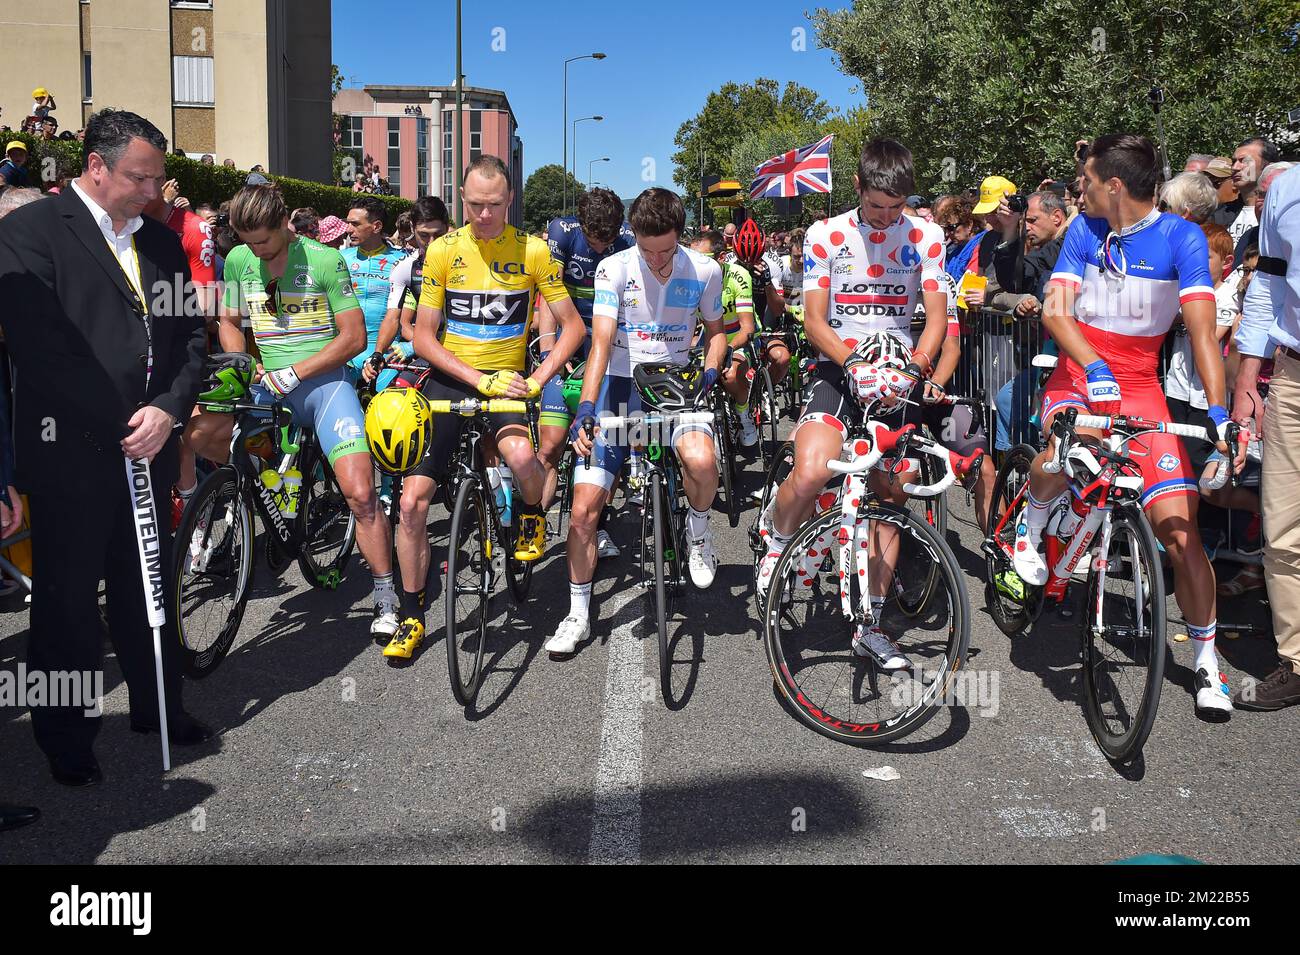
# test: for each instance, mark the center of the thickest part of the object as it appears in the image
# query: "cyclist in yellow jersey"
(476, 303)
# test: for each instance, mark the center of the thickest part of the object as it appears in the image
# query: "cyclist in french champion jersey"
(644, 311)
(429, 221)
(306, 322)
(578, 244)
(370, 266)
(863, 274)
(1124, 272)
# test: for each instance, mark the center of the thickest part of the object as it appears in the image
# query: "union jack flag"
(802, 170)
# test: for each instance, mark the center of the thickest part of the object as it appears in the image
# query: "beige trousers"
(1280, 504)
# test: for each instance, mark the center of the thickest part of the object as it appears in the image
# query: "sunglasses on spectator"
(1247, 269)
(271, 289)
(949, 226)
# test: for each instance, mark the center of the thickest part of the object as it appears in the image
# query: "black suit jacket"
(78, 342)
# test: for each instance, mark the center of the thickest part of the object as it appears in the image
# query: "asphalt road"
(328, 754)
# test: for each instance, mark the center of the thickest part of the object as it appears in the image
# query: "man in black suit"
(108, 348)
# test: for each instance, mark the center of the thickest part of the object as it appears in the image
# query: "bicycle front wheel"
(1124, 637)
(1012, 603)
(326, 523)
(471, 579)
(212, 562)
(829, 687)
(725, 449)
(659, 567)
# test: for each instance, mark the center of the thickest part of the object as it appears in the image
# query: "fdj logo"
(508, 268)
(1167, 463)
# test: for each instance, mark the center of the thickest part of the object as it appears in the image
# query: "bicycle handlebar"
(884, 441)
(472, 406)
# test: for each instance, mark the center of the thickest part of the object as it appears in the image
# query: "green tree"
(544, 195)
(729, 116)
(1000, 87)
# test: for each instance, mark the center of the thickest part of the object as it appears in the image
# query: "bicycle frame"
(288, 536)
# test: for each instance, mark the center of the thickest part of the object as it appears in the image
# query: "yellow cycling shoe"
(409, 635)
(531, 544)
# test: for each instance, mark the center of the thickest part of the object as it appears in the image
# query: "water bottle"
(506, 501)
(275, 484)
(634, 469)
(292, 484)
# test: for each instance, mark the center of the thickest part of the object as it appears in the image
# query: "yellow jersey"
(486, 291)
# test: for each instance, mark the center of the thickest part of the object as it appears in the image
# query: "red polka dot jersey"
(874, 276)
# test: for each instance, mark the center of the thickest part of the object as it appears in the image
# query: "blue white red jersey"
(1131, 285)
(874, 276)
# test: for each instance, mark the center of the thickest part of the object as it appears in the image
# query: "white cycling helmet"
(884, 350)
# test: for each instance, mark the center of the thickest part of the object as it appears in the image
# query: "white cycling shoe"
(1213, 696)
(748, 431)
(571, 632)
(1028, 561)
(384, 623)
(605, 546)
(702, 562)
(872, 642)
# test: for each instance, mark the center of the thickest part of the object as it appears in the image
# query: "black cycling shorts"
(447, 427)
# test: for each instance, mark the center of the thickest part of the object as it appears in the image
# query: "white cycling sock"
(580, 600)
(1203, 637)
(697, 524)
(1036, 514)
(385, 595)
(877, 608)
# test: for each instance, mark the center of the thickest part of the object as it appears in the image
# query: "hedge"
(198, 183)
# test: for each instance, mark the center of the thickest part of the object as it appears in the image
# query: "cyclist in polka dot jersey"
(864, 272)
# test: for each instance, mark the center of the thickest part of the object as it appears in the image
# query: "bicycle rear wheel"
(1013, 604)
(762, 405)
(326, 523)
(832, 690)
(1124, 656)
(471, 580)
(212, 562)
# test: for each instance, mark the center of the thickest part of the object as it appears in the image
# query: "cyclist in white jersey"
(643, 312)
(863, 273)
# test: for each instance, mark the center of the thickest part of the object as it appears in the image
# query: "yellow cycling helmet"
(399, 427)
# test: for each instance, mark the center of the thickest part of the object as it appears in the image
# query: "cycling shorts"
(1166, 467)
(619, 396)
(327, 403)
(555, 411)
(828, 400)
(447, 428)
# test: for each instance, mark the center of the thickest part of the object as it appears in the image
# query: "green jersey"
(737, 297)
(300, 322)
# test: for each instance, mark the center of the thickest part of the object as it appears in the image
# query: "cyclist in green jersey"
(298, 298)
(738, 320)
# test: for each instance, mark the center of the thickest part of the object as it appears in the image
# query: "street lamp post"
(575, 145)
(592, 163)
(564, 162)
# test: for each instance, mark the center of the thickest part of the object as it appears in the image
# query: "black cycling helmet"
(228, 377)
(669, 388)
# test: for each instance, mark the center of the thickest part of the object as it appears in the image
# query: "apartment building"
(239, 79)
(409, 131)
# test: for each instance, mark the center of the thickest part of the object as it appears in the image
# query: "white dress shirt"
(119, 242)
(1270, 315)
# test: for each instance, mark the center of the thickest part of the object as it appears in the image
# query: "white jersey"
(874, 276)
(791, 282)
(655, 320)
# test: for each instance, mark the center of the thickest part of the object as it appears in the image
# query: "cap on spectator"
(917, 202)
(39, 92)
(992, 189)
(331, 227)
(16, 144)
(1220, 167)
(256, 179)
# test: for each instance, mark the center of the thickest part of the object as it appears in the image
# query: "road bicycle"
(1097, 531)
(820, 590)
(213, 554)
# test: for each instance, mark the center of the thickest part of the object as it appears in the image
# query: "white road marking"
(616, 821)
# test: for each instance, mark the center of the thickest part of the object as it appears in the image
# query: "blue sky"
(663, 59)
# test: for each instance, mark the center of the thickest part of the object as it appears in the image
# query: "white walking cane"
(149, 542)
